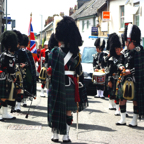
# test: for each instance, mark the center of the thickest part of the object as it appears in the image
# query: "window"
(121, 16)
(137, 15)
(87, 24)
(82, 25)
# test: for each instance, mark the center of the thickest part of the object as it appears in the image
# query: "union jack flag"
(32, 43)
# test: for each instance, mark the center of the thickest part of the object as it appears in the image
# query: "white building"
(126, 11)
(121, 12)
(88, 16)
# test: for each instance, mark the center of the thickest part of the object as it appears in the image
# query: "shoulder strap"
(67, 57)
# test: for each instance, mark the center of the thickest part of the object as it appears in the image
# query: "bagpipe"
(18, 84)
(127, 88)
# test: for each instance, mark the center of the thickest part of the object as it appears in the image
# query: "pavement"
(96, 125)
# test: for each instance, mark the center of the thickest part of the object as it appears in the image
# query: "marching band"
(120, 71)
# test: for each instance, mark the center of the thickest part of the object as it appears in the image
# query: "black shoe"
(102, 97)
(120, 123)
(1, 119)
(127, 115)
(112, 108)
(132, 125)
(66, 141)
(96, 96)
(18, 110)
(9, 118)
(24, 105)
(43, 96)
(117, 114)
(54, 140)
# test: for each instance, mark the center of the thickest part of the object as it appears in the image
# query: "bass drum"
(99, 77)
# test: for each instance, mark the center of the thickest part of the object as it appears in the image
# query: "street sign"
(8, 19)
(94, 31)
(106, 15)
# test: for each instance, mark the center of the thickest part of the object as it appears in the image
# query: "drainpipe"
(108, 21)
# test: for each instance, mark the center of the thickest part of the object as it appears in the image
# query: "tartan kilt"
(83, 98)
(5, 87)
(70, 98)
(71, 105)
(111, 91)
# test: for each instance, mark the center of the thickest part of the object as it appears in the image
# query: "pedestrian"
(64, 62)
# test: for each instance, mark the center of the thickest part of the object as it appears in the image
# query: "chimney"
(71, 11)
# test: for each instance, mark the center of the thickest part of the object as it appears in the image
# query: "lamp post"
(6, 14)
(41, 29)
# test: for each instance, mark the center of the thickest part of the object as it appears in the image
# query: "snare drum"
(99, 77)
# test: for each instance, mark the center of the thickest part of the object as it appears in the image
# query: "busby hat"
(100, 43)
(9, 40)
(68, 33)
(25, 40)
(132, 33)
(19, 36)
(114, 42)
(52, 42)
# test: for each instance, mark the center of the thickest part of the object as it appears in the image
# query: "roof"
(88, 9)
(45, 28)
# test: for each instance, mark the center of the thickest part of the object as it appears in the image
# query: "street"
(96, 125)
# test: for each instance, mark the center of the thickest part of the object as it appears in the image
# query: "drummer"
(116, 45)
(97, 64)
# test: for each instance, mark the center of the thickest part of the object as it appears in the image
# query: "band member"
(19, 80)
(64, 62)
(7, 72)
(43, 55)
(132, 78)
(97, 64)
(116, 44)
(27, 66)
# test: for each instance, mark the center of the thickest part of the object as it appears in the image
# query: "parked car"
(87, 66)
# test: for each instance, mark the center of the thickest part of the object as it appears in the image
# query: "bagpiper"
(64, 62)
(131, 82)
(9, 42)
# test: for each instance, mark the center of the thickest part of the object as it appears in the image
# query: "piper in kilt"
(7, 72)
(97, 64)
(116, 44)
(27, 66)
(64, 65)
(20, 93)
(131, 85)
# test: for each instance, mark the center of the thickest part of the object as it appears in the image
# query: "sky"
(20, 10)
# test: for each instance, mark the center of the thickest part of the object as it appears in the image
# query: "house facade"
(90, 14)
(46, 32)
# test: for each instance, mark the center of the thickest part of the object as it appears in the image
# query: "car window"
(87, 54)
